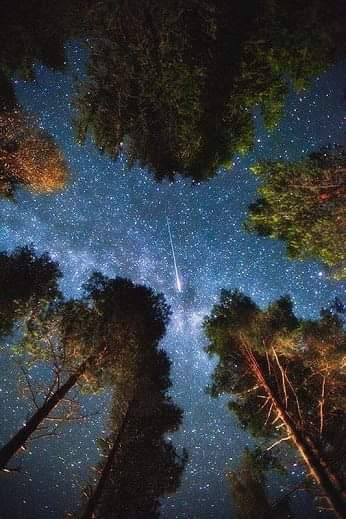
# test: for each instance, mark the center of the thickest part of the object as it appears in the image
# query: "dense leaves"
(145, 465)
(249, 487)
(174, 83)
(304, 204)
(35, 32)
(27, 281)
(28, 156)
(285, 375)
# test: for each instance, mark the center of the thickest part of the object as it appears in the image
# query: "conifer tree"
(117, 319)
(173, 84)
(303, 203)
(286, 379)
(27, 282)
(140, 464)
(29, 156)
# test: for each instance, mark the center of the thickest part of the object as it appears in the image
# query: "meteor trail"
(178, 282)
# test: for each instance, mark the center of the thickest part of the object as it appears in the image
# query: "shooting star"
(177, 279)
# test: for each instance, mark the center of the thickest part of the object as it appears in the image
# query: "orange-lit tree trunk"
(318, 468)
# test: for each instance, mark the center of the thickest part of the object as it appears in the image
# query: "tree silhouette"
(33, 32)
(287, 374)
(304, 204)
(27, 281)
(115, 320)
(248, 487)
(141, 465)
(173, 84)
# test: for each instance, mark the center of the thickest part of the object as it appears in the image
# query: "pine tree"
(173, 84)
(27, 282)
(285, 373)
(140, 465)
(29, 156)
(116, 320)
(303, 203)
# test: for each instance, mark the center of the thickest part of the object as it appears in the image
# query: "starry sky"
(114, 220)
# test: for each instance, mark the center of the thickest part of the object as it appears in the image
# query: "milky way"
(114, 220)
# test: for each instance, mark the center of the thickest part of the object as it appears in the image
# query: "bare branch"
(269, 413)
(29, 385)
(283, 378)
(286, 438)
(44, 435)
(321, 404)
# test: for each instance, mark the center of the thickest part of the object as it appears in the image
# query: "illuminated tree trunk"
(318, 468)
(18, 440)
(93, 502)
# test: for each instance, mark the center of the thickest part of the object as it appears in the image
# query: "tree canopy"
(103, 339)
(28, 156)
(285, 374)
(303, 203)
(35, 32)
(110, 329)
(173, 84)
(144, 465)
(248, 482)
(26, 281)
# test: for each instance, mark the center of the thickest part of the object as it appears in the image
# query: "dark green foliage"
(132, 306)
(26, 282)
(145, 466)
(116, 324)
(174, 83)
(35, 32)
(304, 204)
(248, 487)
(300, 361)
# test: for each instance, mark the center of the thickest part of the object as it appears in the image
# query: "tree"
(291, 371)
(27, 281)
(173, 84)
(33, 32)
(304, 204)
(28, 156)
(116, 319)
(141, 465)
(247, 484)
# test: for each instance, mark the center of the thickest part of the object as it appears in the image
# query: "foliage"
(114, 325)
(263, 352)
(33, 32)
(304, 204)
(248, 487)
(28, 156)
(146, 465)
(173, 84)
(27, 282)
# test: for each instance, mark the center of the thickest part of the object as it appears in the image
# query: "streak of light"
(177, 278)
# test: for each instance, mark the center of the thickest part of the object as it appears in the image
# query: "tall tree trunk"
(19, 439)
(94, 500)
(318, 468)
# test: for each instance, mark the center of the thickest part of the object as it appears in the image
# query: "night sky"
(114, 220)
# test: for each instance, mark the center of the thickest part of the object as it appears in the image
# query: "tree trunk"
(18, 440)
(317, 466)
(93, 502)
